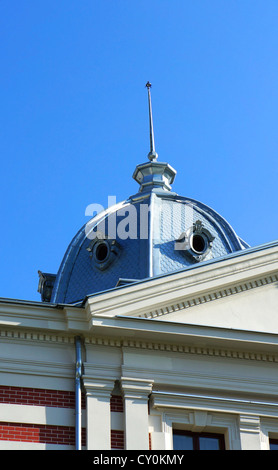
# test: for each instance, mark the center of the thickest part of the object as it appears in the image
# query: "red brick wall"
(117, 437)
(46, 434)
(117, 440)
(116, 403)
(39, 397)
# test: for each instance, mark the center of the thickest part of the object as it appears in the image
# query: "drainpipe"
(78, 374)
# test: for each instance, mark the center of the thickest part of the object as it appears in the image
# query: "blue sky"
(74, 116)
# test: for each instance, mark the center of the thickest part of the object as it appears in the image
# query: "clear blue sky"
(74, 117)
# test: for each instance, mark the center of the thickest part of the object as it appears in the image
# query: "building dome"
(152, 233)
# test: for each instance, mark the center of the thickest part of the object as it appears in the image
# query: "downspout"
(78, 375)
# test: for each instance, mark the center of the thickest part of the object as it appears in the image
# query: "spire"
(153, 175)
(152, 154)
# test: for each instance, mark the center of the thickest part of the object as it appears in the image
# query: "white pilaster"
(136, 395)
(250, 432)
(98, 394)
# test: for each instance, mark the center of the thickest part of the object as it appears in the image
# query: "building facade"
(158, 332)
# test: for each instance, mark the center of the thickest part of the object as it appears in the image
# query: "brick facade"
(117, 436)
(39, 433)
(50, 434)
(38, 397)
(64, 435)
(117, 439)
(116, 404)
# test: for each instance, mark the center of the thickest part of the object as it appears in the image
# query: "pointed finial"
(152, 154)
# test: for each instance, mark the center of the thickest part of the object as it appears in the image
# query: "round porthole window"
(198, 243)
(101, 252)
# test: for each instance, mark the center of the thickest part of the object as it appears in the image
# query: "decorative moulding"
(120, 342)
(209, 297)
(185, 349)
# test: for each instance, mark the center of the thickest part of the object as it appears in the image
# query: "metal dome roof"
(152, 233)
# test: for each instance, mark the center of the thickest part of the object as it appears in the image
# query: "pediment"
(238, 293)
(252, 309)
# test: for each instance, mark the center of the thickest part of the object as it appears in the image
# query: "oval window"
(101, 252)
(198, 243)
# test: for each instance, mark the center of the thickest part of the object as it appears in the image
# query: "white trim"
(45, 415)
(214, 404)
(17, 445)
(197, 421)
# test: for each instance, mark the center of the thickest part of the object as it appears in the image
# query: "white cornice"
(143, 334)
(34, 315)
(186, 338)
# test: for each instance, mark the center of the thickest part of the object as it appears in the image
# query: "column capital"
(136, 388)
(249, 423)
(98, 386)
